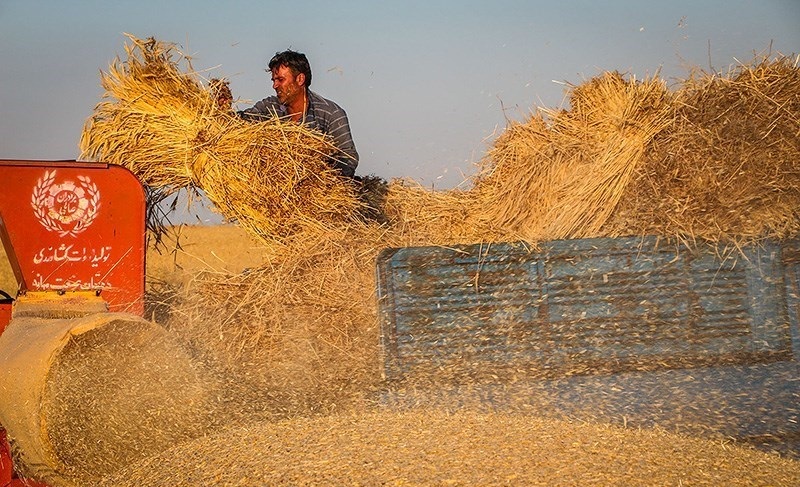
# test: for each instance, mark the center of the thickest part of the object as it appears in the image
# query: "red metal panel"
(70, 226)
(5, 315)
(8, 477)
(6, 465)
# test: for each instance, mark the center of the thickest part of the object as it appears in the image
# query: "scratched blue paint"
(591, 305)
(704, 339)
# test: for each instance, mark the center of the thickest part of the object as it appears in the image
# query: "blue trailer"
(641, 331)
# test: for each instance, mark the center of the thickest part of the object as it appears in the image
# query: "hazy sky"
(426, 84)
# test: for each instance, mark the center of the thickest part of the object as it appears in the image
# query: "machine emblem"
(66, 208)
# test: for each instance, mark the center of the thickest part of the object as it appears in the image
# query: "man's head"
(295, 61)
(291, 75)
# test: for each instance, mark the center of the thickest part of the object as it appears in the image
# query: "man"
(291, 77)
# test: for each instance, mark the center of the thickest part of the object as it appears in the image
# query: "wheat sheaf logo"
(66, 208)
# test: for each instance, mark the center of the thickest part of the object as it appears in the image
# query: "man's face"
(287, 86)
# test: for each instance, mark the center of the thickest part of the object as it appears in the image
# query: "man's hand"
(222, 92)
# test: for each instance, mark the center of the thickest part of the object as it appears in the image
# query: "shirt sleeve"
(339, 131)
(267, 108)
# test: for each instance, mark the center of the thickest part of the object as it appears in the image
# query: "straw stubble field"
(7, 281)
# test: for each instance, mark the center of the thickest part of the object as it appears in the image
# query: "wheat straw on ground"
(432, 447)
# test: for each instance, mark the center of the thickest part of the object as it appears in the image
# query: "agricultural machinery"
(74, 234)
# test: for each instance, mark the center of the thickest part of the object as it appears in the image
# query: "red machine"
(69, 226)
(74, 232)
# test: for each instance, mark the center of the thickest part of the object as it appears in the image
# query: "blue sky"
(426, 84)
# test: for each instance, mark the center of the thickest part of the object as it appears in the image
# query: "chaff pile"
(464, 448)
(167, 128)
(129, 389)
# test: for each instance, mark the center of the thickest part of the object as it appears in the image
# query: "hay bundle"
(718, 159)
(728, 168)
(563, 177)
(423, 216)
(168, 129)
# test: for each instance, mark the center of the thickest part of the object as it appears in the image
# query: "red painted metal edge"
(5, 314)
(6, 464)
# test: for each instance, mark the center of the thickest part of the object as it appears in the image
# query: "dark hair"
(296, 61)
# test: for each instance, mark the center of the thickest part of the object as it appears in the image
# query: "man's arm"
(265, 109)
(332, 120)
(346, 160)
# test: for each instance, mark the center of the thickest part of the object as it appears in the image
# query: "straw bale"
(563, 177)
(728, 168)
(169, 129)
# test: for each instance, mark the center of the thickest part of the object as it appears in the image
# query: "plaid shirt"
(321, 114)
